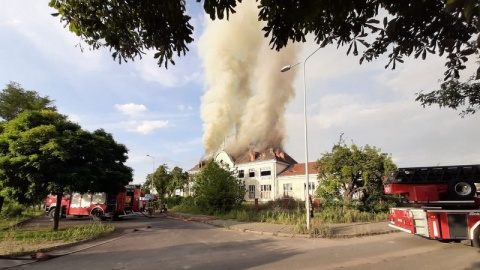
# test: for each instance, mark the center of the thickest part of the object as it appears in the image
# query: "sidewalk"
(337, 230)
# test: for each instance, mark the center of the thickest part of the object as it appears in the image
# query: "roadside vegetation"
(13, 214)
(14, 240)
(281, 212)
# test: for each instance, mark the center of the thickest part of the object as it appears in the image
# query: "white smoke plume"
(246, 95)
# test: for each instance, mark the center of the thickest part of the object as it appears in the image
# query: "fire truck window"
(76, 198)
(86, 200)
(99, 198)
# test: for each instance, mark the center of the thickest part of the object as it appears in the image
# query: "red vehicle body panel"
(418, 192)
(78, 204)
(441, 224)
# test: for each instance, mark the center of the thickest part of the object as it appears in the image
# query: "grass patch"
(338, 215)
(15, 241)
(293, 213)
(7, 222)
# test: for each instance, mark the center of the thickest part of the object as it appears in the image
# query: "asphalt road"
(174, 244)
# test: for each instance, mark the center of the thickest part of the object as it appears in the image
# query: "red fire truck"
(442, 202)
(98, 205)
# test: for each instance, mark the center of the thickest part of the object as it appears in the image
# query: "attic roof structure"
(254, 156)
(267, 154)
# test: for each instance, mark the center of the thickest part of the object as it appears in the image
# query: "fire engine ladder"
(420, 222)
(435, 174)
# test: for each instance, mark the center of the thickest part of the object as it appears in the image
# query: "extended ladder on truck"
(443, 202)
(437, 183)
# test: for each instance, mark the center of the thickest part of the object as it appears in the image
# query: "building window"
(265, 171)
(287, 190)
(241, 173)
(265, 191)
(251, 173)
(251, 191)
(311, 186)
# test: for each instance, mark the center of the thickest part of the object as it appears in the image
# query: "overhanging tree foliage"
(369, 28)
(217, 189)
(351, 173)
(42, 152)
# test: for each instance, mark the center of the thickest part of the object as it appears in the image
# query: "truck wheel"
(476, 237)
(51, 213)
(97, 214)
(461, 189)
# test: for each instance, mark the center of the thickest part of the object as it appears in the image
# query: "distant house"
(268, 175)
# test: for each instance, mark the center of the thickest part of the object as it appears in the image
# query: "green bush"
(173, 201)
(217, 190)
(13, 210)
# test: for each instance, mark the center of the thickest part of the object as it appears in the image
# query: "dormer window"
(265, 171)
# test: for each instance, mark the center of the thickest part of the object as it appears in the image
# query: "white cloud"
(48, 36)
(131, 109)
(148, 127)
(182, 107)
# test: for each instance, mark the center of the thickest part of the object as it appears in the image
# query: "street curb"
(285, 235)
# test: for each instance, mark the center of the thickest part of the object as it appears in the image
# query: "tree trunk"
(58, 210)
(347, 198)
(2, 199)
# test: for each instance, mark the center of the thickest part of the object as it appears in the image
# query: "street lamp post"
(307, 194)
(153, 172)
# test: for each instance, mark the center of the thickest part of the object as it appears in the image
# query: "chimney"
(253, 155)
(282, 155)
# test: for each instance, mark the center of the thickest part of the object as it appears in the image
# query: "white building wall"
(267, 181)
(297, 184)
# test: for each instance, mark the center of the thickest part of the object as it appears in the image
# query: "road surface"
(175, 244)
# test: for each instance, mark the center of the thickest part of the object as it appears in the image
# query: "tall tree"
(178, 181)
(14, 100)
(351, 172)
(161, 181)
(42, 152)
(369, 28)
(217, 189)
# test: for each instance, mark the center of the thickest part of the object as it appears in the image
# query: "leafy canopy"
(14, 100)
(349, 173)
(368, 28)
(217, 189)
(42, 152)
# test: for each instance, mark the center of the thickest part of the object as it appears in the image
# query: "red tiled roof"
(267, 154)
(198, 166)
(299, 169)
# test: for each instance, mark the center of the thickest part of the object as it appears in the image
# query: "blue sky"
(156, 112)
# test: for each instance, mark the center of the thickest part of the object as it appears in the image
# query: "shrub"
(217, 190)
(173, 201)
(13, 210)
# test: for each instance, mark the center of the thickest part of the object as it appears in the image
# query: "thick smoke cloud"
(244, 104)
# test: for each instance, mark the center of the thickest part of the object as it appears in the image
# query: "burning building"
(269, 174)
